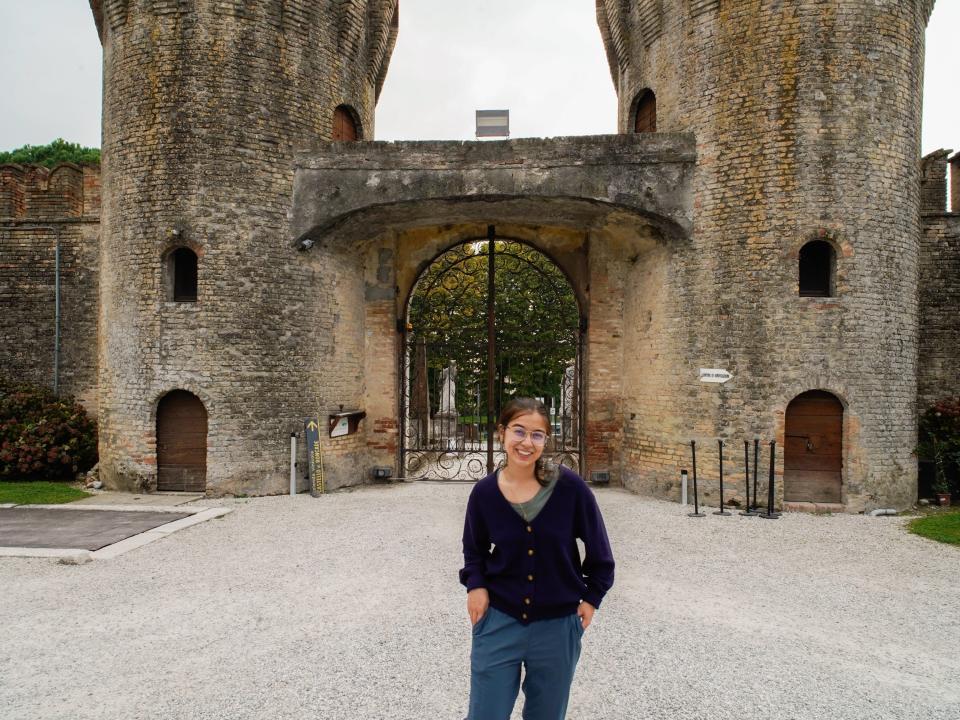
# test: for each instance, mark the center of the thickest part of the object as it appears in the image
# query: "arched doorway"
(487, 320)
(813, 456)
(181, 443)
(345, 127)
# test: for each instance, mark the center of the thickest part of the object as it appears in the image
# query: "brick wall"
(933, 182)
(38, 207)
(939, 289)
(807, 121)
(204, 105)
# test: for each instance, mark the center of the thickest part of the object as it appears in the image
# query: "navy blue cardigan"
(533, 570)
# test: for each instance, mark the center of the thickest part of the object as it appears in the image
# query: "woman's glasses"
(537, 437)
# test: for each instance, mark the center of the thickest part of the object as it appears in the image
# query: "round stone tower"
(202, 292)
(800, 277)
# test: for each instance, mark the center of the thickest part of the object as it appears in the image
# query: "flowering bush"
(43, 437)
(940, 441)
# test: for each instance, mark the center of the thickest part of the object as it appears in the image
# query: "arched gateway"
(487, 320)
(396, 240)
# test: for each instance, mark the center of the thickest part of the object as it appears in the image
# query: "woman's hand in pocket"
(586, 611)
(478, 600)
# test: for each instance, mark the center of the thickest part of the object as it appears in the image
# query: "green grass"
(942, 528)
(39, 493)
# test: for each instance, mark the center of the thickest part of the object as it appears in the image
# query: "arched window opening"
(345, 127)
(817, 269)
(182, 275)
(813, 454)
(181, 443)
(646, 118)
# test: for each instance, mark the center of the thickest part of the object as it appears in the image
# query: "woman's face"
(519, 439)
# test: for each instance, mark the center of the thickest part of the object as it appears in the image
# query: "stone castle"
(245, 256)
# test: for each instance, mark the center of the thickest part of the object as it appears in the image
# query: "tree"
(59, 151)
(537, 322)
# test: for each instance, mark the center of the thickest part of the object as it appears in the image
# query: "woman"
(529, 597)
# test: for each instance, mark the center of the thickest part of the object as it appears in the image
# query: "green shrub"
(43, 437)
(940, 442)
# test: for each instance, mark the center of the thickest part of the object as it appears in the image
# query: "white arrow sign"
(714, 375)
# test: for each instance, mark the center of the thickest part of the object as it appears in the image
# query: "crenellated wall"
(939, 368)
(39, 209)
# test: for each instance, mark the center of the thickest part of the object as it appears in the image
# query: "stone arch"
(813, 457)
(458, 240)
(181, 422)
(449, 336)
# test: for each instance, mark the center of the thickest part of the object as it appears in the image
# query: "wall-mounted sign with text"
(314, 455)
(714, 375)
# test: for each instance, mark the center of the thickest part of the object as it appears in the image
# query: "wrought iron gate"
(489, 320)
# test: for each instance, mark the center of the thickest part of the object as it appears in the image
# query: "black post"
(491, 343)
(696, 501)
(721, 511)
(756, 464)
(747, 510)
(770, 514)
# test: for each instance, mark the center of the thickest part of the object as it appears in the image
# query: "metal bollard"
(770, 514)
(293, 463)
(748, 511)
(696, 499)
(721, 511)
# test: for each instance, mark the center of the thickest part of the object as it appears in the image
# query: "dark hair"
(525, 406)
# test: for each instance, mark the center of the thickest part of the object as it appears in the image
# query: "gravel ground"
(348, 606)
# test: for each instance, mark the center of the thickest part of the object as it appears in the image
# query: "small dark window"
(344, 126)
(817, 269)
(184, 266)
(646, 118)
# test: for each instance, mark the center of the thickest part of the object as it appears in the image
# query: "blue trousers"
(548, 650)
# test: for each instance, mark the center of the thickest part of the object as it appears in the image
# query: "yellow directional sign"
(314, 456)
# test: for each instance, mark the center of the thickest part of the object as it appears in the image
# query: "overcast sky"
(542, 59)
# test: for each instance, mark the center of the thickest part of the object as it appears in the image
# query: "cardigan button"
(526, 601)
(530, 578)
(529, 529)
(524, 616)
(530, 551)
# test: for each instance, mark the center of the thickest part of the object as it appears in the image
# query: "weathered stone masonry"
(38, 208)
(204, 103)
(778, 124)
(807, 118)
(939, 282)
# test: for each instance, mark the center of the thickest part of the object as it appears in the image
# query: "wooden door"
(646, 118)
(344, 129)
(813, 458)
(181, 443)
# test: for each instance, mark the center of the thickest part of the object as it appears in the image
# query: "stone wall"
(40, 207)
(807, 118)
(204, 105)
(592, 204)
(939, 285)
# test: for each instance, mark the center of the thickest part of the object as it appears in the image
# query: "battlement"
(33, 192)
(934, 182)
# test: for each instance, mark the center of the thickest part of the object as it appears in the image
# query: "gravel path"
(347, 606)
